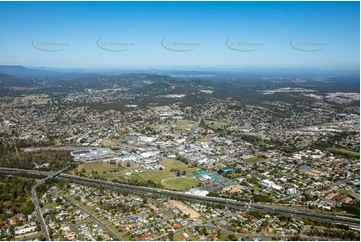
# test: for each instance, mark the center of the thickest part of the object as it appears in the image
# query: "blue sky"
(322, 35)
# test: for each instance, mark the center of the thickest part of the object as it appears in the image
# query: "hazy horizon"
(181, 35)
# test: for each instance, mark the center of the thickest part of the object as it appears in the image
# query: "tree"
(232, 237)
(28, 208)
(171, 235)
(49, 198)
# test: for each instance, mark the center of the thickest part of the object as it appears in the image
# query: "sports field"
(180, 183)
(155, 176)
(168, 178)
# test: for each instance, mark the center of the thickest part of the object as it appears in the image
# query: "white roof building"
(271, 184)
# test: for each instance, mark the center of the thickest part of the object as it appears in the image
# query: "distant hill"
(21, 71)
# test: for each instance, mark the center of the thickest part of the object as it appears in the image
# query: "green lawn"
(50, 205)
(176, 164)
(215, 125)
(180, 183)
(155, 176)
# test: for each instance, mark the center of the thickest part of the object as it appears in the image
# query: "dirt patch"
(110, 143)
(185, 209)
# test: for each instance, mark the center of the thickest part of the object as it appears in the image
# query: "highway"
(25, 171)
(57, 173)
(286, 211)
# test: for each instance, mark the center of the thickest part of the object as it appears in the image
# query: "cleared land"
(180, 183)
(185, 209)
(41, 99)
(110, 143)
(103, 170)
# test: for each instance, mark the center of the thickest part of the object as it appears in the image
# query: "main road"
(39, 215)
(266, 208)
(286, 211)
(35, 200)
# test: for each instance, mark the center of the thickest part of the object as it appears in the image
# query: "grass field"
(343, 152)
(322, 104)
(104, 170)
(180, 183)
(155, 176)
(255, 159)
(182, 123)
(158, 175)
(50, 205)
(215, 125)
(176, 164)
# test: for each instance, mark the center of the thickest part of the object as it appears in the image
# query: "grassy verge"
(343, 152)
